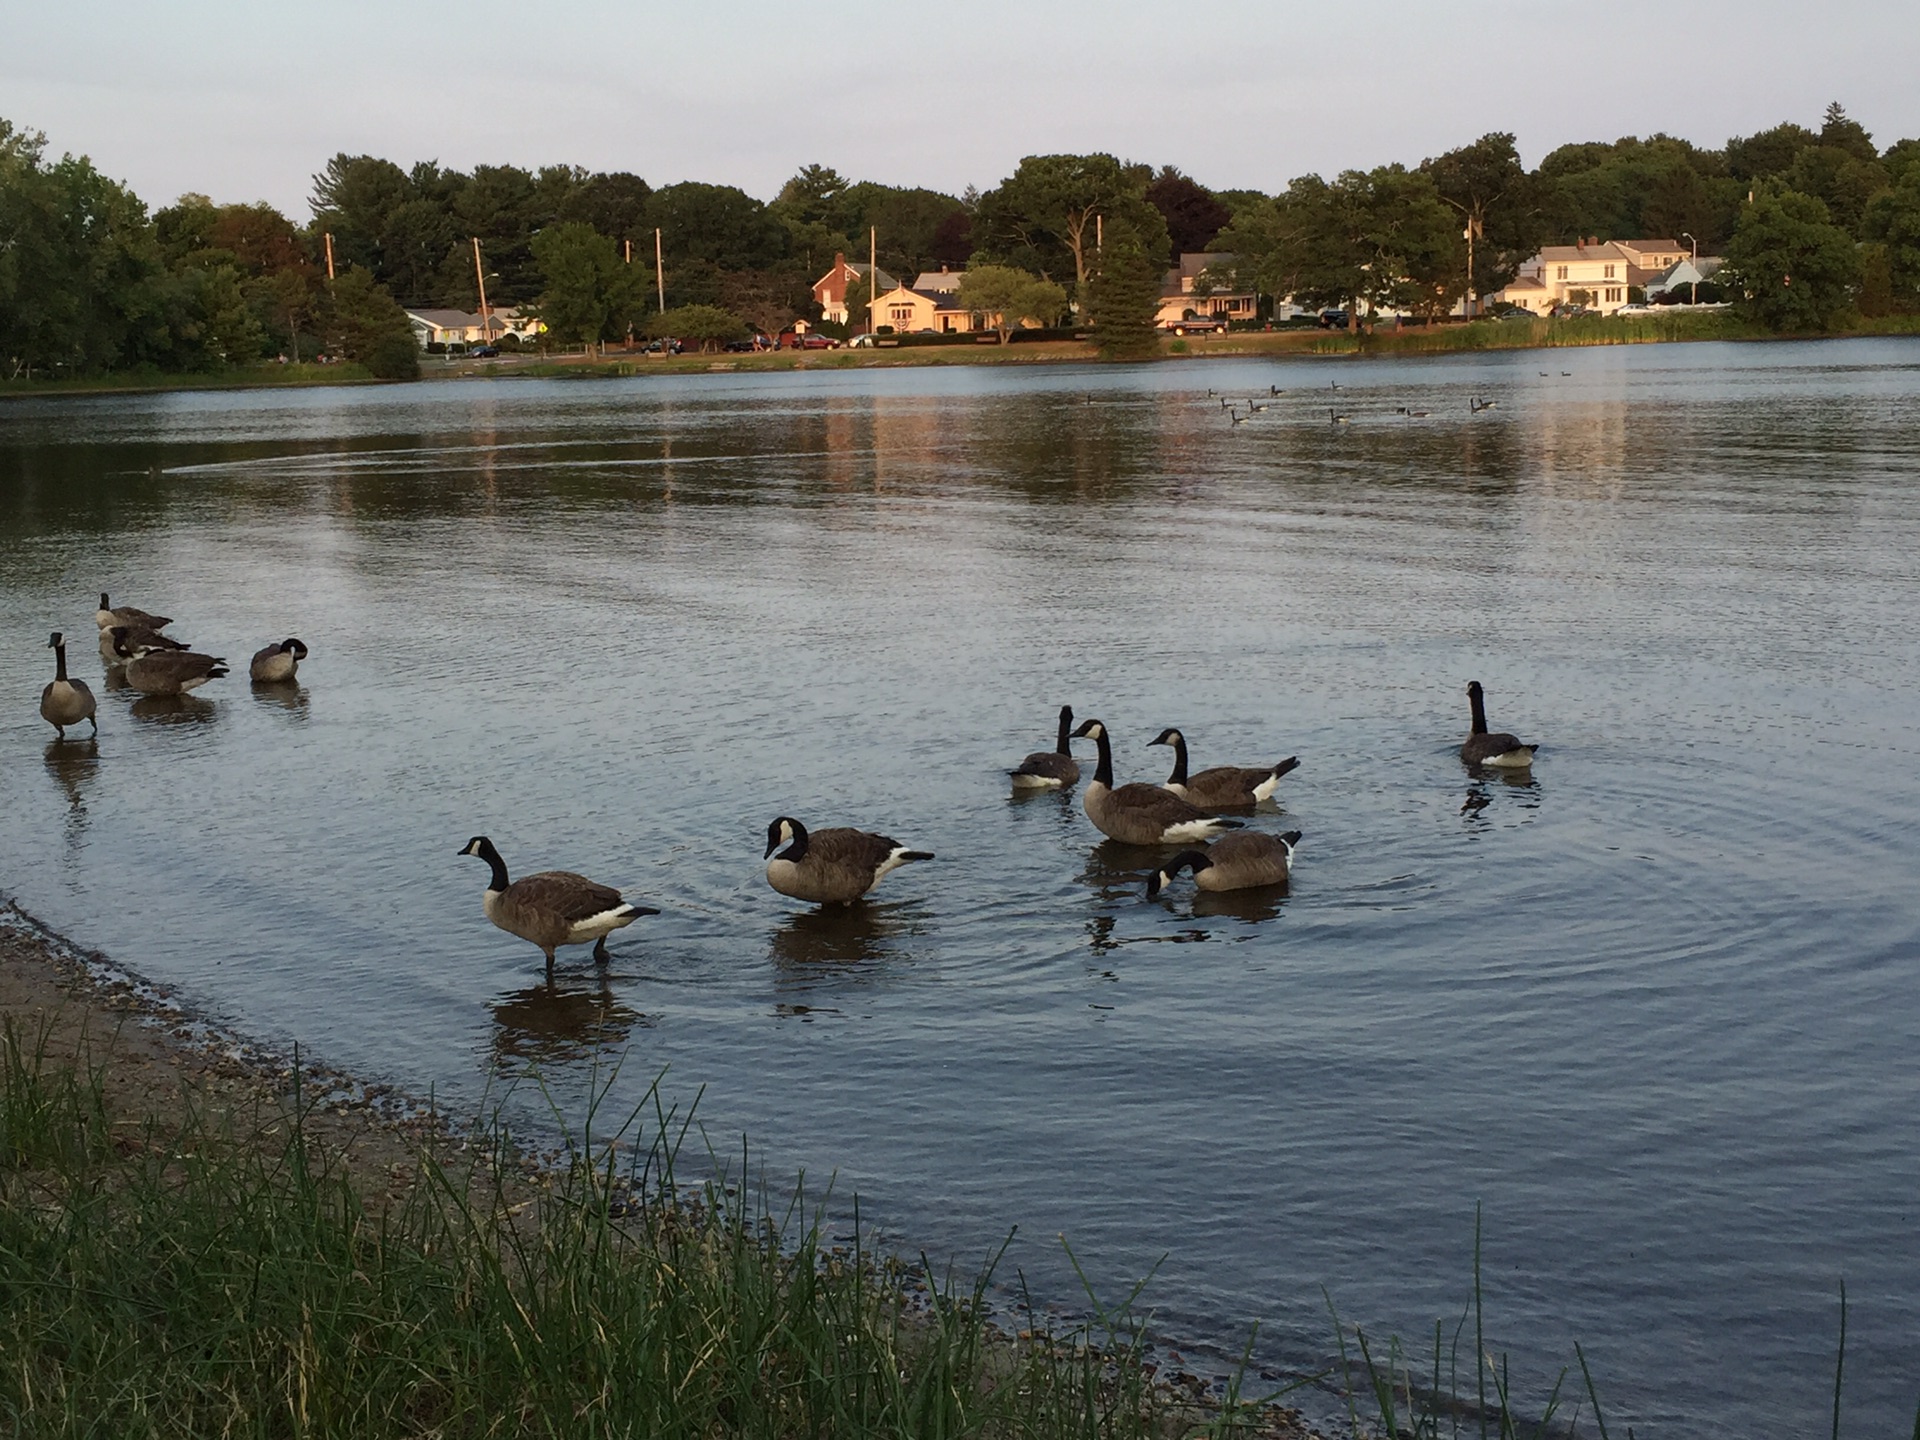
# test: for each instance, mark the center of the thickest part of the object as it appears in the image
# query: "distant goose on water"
(1498, 749)
(1137, 814)
(1476, 404)
(277, 663)
(1334, 417)
(1221, 785)
(831, 867)
(106, 617)
(553, 908)
(1233, 862)
(1050, 769)
(65, 701)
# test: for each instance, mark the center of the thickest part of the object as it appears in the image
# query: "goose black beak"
(645, 910)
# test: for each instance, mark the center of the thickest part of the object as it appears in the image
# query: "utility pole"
(480, 274)
(1473, 232)
(659, 271)
(873, 273)
(328, 237)
(1693, 285)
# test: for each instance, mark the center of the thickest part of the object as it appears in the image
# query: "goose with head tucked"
(108, 616)
(1050, 769)
(169, 672)
(1499, 749)
(1245, 861)
(831, 867)
(277, 663)
(554, 907)
(65, 701)
(137, 639)
(1137, 814)
(1221, 785)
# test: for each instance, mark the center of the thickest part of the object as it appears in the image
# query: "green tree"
(363, 322)
(1893, 223)
(708, 325)
(1006, 297)
(352, 200)
(1840, 179)
(1793, 269)
(1047, 216)
(615, 204)
(1193, 215)
(719, 224)
(590, 293)
(1123, 296)
(1767, 153)
(1495, 197)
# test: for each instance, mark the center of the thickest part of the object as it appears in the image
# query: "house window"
(1609, 274)
(1560, 273)
(901, 315)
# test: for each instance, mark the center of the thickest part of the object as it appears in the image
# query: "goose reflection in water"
(1480, 792)
(834, 942)
(1255, 905)
(173, 710)
(288, 695)
(1117, 870)
(556, 1022)
(73, 766)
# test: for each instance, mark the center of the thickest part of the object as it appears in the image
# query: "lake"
(1653, 1007)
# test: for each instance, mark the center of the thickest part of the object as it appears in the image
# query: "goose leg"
(94, 723)
(549, 955)
(600, 954)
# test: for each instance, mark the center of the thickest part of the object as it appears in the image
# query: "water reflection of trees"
(561, 1020)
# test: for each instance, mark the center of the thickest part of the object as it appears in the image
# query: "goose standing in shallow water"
(1137, 814)
(65, 702)
(1499, 749)
(277, 663)
(1050, 769)
(1221, 785)
(169, 672)
(136, 639)
(106, 617)
(831, 867)
(1233, 862)
(553, 908)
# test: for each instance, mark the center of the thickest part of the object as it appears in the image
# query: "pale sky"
(245, 101)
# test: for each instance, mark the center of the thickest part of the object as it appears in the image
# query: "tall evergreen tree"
(1123, 294)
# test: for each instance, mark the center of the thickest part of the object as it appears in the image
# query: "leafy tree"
(1495, 197)
(1840, 179)
(415, 243)
(717, 223)
(814, 196)
(1893, 223)
(1008, 296)
(615, 204)
(590, 294)
(1792, 267)
(1634, 187)
(768, 299)
(1840, 131)
(710, 325)
(352, 199)
(1048, 214)
(909, 224)
(952, 240)
(1123, 297)
(1767, 153)
(1902, 157)
(363, 322)
(1192, 213)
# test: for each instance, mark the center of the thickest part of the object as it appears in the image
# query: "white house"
(1187, 294)
(459, 327)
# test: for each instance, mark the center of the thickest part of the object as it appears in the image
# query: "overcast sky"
(245, 101)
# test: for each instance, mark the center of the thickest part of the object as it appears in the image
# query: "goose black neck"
(797, 847)
(1179, 775)
(492, 857)
(103, 601)
(1061, 746)
(59, 661)
(1104, 774)
(1479, 711)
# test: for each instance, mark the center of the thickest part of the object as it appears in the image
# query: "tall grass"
(191, 1279)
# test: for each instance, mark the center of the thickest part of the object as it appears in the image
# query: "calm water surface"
(1655, 1011)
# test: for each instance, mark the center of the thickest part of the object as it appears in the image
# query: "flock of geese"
(1258, 405)
(835, 866)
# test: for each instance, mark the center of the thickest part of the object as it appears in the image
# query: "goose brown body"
(107, 616)
(1051, 769)
(1246, 861)
(172, 672)
(137, 639)
(1498, 749)
(834, 866)
(65, 701)
(277, 663)
(554, 907)
(1138, 814)
(1221, 786)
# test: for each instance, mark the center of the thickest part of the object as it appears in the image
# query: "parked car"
(1333, 319)
(484, 352)
(863, 342)
(742, 347)
(815, 342)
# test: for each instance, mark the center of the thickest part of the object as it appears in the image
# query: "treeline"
(1812, 222)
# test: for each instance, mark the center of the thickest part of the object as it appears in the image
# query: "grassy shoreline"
(1478, 336)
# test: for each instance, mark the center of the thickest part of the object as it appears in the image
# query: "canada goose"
(553, 908)
(1275, 390)
(1139, 814)
(1476, 404)
(107, 617)
(65, 702)
(1503, 750)
(831, 867)
(1050, 769)
(1334, 417)
(170, 672)
(1233, 862)
(1236, 418)
(277, 662)
(138, 639)
(1413, 414)
(1221, 785)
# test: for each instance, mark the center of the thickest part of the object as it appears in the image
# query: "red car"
(814, 342)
